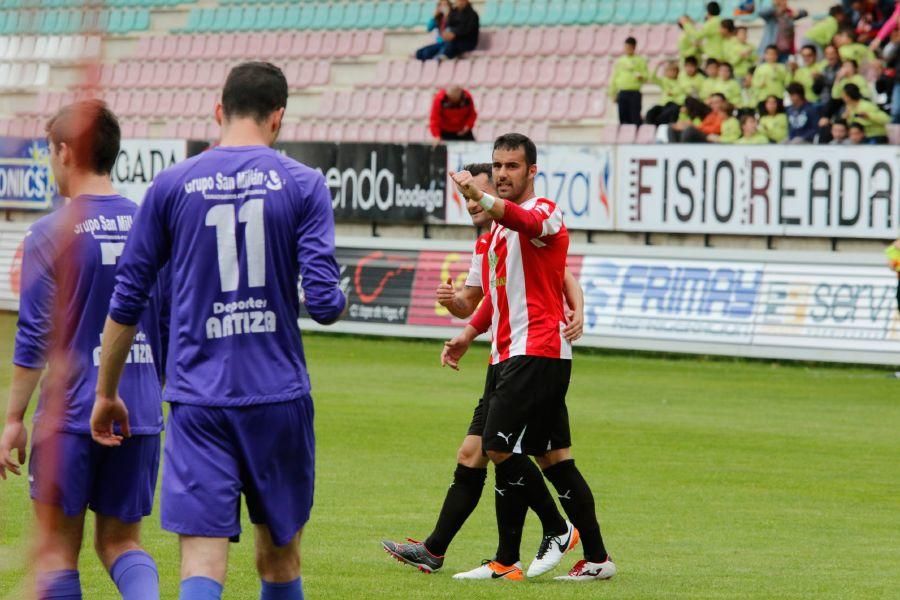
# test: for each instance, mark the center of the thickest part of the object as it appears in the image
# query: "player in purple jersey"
(68, 275)
(237, 225)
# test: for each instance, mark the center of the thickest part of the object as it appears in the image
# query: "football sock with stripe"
(291, 590)
(461, 500)
(135, 574)
(521, 476)
(200, 588)
(59, 585)
(578, 501)
(511, 512)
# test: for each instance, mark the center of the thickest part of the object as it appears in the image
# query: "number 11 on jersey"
(222, 217)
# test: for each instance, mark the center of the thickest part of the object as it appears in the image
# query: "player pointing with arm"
(68, 274)
(237, 226)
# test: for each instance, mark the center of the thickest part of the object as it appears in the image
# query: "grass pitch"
(714, 479)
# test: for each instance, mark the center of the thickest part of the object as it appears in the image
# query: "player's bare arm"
(575, 311)
(109, 409)
(15, 435)
(460, 302)
(456, 348)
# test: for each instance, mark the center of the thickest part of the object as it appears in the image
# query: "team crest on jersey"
(274, 181)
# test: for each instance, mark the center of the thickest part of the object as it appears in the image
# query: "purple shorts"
(214, 454)
(113, 482)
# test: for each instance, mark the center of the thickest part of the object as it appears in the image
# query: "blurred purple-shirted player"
(237, 226)
(68, 275)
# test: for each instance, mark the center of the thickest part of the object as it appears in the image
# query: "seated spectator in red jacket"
(453, 114)
(460, 35)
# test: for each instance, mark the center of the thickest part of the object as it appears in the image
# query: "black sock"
(521, 476)
(461, 500)
(578, 502)
(511, 512)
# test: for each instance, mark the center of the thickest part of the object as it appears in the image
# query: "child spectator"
(856, 134)
(672, 97)
(731, 127)
(806, 73)
(688, 43)
(710, 34)
(839, 133)
(822, 32)
(708, 86)
(865, 113)
(750, 133)
(848, 74)
(803, 118)
(727, 85)
(770, 78)
(737, 51)
(690, 78)
(460, 33)
(778, 30)
(773, 123)
(712, 127)
(628, 77)
(850, 49)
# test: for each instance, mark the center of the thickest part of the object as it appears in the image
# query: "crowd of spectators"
(839, 84)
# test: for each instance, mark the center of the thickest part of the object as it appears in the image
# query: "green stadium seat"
(219, 19)
(114, 24)
(606, 11)
(641, 11)
(75, 22)
(622, 13)
(506, 13)
(193, 22)
(291, 17)
(675, 10)
(588, 13)
(398, 13)
(337, 14)
(306, 16)
(488, 16)
(537, 15)
(12, 22)
(264, 19)
(366, 15)
(279, 12)
(320, 17)
(382, 15)
(556, 11)
(141, 20)
(411, 16)
(51, 19)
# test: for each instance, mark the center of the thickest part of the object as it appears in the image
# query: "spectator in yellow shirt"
(737, 51)
(628, 77)
(866, 113)
(727, 85)
(750, 133)
(771, 77)
(690, 77)
(672, 97)
(773, 123)
(708, 86)
(850, 49)
(806, 74)
(822, 32)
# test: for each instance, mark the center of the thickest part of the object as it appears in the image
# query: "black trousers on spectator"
(629, 107)
(454, 48)
(691, 135)
(451, 137)
(663, 114)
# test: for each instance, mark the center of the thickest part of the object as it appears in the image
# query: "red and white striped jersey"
(522, 275)
(473, 279)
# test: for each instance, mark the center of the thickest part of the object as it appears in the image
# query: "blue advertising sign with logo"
(26, 181)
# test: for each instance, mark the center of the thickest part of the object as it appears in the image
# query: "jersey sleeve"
(146, 251)
(481, 321)
(473, 279)
(319, 268)
(544, 219)
(35, 305)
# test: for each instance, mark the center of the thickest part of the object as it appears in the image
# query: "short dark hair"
(852, 90)
(839, 122)
(254, 90)
(712, 61)
(772, 47)
(796, 89)
(848, 31)
(728, 25)
(691, 60)
(720, 95)
(810, 47)
(746, 117)
(630, 41)
(727, 64)
(477, 169)
(855, 125)
(713, 9)
(836, 11)
(741, 28)
(514, 141)
(92, 131)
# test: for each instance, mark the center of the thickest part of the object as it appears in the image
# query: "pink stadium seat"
(578, 105)
(646, 134)
(198, 46)
(596, 106)
(189, 74)
(445, 73)
(367, 132)
(132, 75)
(893, 131)
(211, 46)
(193, 105)
(173, 74)
(160, 74)
(240, 45)
(199, 131)
(540, 131)
(547, 70)
(565, 71)
(182, 46)
(408, 101)
(603, 40)
(352, 131)
(343, 105)
(226, 43)
(640, 34)
(656, 40)
(5, 125)
(608, 134)
(485, 130)
(288, 132)
(490, 104)
(344, 46)
(336, 131)
(522, 105)
(534, 42)
(164, 106)
(655, 61)
(403, 73)
(391, 105)
(149, 104)
(329, 45)
(600, 71)
(254, 45)
(179, 101)
(543, 104)
(382, 72)
(108, 74)
(298, 47)
(135, 100)
(322, 73)
(169, 48)
(375, 44)
(531, 68)
(17, 128)
(371, 106)
(499, 42)
(282, 43)
(208, 104)
(480, 71)
(462, 73)
(144, 46)
(183, 130)
(585, 40)
(359, 42)
(673, 35)
(550, 43)
(511, 73)
(269, 45)
(581, 71)
(145, 78)
(428, 77)
(217, 74)
(400, 132)
(422, 108)
(618, 40)
(326, 103)
(314, 41)
(567, 41)
(303, 131)
(516, 43)
(384, 131)
(304, 73)
(559, 106)
(626, 134)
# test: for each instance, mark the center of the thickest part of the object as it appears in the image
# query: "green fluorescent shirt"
(629, 74)
(774, 127)
(874, 120)
(822, 32)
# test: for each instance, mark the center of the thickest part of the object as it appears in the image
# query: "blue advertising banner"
(26, 181)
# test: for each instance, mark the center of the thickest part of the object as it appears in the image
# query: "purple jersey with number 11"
(237, 226)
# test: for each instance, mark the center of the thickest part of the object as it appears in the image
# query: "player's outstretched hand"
(466, 185)
(453, 352)
(106, 414)
(574, 325)
(15, 437)
(446, 293)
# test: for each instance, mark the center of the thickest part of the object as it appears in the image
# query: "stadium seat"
(489, 105)
(462, 73)
(372, 105)
(534, 42)
(581, 71)
(893, 132)
(600, 72)
(521, 105)
(609, 134)
(626, 134)
(511, 73)
(429, 74)
(565, 71)
(646, 134)
(543, 104)
(530, 73)
(481, 70)
(559, 107)
(390, 106)
(567, 41)
(596, 106)
(516, 42)
(445, 73)
(498, 42)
